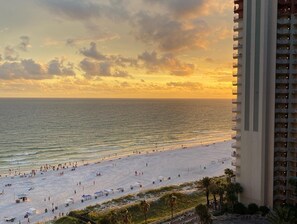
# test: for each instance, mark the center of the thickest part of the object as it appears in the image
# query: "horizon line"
(114, 98)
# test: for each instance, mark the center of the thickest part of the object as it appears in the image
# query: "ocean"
(34, 132)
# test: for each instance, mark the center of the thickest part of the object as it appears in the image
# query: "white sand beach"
(52, 189)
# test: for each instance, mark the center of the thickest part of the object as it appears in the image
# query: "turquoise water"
(35, 132)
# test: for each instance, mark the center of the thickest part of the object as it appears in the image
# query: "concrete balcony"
(279, 197)
(237, 37)
(236, 83)
(235, 145)
(236, 92)
(236, 137)
(235, 163)
(282, 110)
(236, 109)
(236, 74)
(280, 168)
(237, 55)
(282, 61)
(236, 127)
(237, 27)
(236, 18)
(236, 118)
(283, 41)
(283, 21)
(281, 120)
(280, 177)
(233, 154)
(282, 51)
(281, 90)
(293, 120)
(237, 46)
(284, 31)
(282, 81)
(281, 130)
(281, 139)
(294, 140)
(280, 188)
(282, 71)
(236, 101)
(282, 100)
(280, 159)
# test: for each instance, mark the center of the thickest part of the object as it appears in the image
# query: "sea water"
(34, 132)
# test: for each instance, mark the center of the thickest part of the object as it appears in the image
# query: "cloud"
(191, 85)
(24, 44)
(167, 62)
(10, 54)
(169, 34)
(87, 10)
(92, 52)
(101, 69)
(92, 68)
(184, 8)
(56, 67)
(30, 69)
(209, 60)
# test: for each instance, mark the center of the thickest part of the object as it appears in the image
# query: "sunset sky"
(116, 48)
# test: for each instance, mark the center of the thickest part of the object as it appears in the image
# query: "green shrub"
(68, 220)
(239, 208)
(264, 210)
(253, 208)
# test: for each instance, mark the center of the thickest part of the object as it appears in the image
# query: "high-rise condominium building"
(265, 108)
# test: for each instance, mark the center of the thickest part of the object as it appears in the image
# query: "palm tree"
(282, 215)
(204, 216)
(229, 173)
(233, 189)
(206, 181)
(172, 202)
(213, 188)
(144, 206)
(238, 189)
(221, 192)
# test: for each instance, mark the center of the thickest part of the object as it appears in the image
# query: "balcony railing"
(282, 100)
(282, 61)
(283, 41)
(284, 31)
(282, 81)
(283, 21)
(282, 91)
(283, 51)
(282, 71)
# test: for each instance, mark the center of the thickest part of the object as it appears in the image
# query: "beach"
(60, 191)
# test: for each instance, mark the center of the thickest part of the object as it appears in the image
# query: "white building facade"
(265, 108)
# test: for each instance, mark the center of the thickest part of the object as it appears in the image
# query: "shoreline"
(110, 156)
(141, 172)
